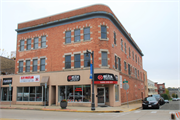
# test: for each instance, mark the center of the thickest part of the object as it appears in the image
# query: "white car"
(174, 99)
(178, 99)
(166, 101)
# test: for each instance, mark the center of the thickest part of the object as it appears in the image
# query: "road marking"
(154, 112)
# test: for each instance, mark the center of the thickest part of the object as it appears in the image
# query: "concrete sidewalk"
(122, 108)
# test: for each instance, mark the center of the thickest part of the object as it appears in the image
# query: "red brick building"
(52, 50)
(160, 88)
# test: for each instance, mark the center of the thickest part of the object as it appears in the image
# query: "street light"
(92, 54)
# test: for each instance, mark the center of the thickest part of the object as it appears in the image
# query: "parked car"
(150, 102)
(174, 99)
(159, 99)
(166, 101)
(178, 99)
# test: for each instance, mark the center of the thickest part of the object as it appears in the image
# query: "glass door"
(101, 95)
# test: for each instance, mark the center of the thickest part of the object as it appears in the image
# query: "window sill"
(104, 39)
(68, 69)
(86, 40)
(104, 66)
(86, 68)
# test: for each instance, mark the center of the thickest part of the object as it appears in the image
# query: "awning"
(45, 79)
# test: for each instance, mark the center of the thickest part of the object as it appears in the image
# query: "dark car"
(150, 102)
(159, 99)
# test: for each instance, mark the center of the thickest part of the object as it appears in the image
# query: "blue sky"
(154, 25)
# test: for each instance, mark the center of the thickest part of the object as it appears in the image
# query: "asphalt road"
(172, 105)
(7, 114)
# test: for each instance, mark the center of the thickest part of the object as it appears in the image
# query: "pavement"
(123, 108)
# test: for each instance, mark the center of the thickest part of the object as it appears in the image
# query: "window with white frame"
(103, 32)
(36, 42)
(20, 66)
(67, 61)
(68, 37)
(86, 33)
(86, 60)
(77, 61)
(28, 44)
(42, 64)
(129, 52)
(77, 35)
(125, 47)
(121, 44)
(119, 64)
(129, 69)
(27, 65)
(133, 55)
(114, 37)
(104, 58)
(43, 41)
(35, 61)
(22, 45)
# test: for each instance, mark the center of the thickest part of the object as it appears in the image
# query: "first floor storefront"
(51, 88)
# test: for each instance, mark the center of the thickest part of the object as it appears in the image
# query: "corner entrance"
(101, 95)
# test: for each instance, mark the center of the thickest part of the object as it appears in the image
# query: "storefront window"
(70, 94)
(6, 94)
(116, 93)
(32, 93)
(86, 93)
(26, 94)
(19, 93)
(76, 93)
(38, 93)
(107, 94)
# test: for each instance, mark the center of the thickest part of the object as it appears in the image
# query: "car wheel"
(158, 107)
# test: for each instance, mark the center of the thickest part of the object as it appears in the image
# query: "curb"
(135, 109)
(62, 110)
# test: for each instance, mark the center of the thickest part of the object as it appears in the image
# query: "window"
(86, 60)
(43, 41)
(26, 94)
(129, 69)
(34, 65)
(144, 76)
(32, 94)
(136, 57)
(27, 65)
(36, 41)
(77, 35)
(68, 37)
(87, 33)
(22, 45)
(119, 64)
(20, 66)
(42, 64)
(129, 52)
(28, 44)
(6, 94)
(115, 62)
(138, 60)
(103, 32)
(121, 44)
(75, 93)
(133, 55)
(138, 73)
(124, 65)
(77, 61)
(67, 61)
(114, 38)
(125, 47)
(39, 93)
(135, 73)
(104, 59)
(116, 92)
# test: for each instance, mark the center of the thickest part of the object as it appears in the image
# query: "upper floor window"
(35, 65)
(77, 35)
(43, 41)
(87, 33)
(136, 57)
(27, 65)
(125, 65)
(144, 76)
(133, 55)
(125, 47)
(119, 64)
(135, 73)
(86, 60)
(115, 62)
(138, 60)
(67, 61)
(104, 58)
(36, 41)
(129, 69)
(114, 38)
(121, 44)
(22, 45)
(20, 66)
(138, 73)
(129, 52)
(103, 32)
(77, 61)
(68, 37)
(42, 64)
(28, 44)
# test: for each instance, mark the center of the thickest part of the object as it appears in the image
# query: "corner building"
(52, 51)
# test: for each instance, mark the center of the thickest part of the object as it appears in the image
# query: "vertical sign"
(90, 71)
(120, 81)
(10, 93)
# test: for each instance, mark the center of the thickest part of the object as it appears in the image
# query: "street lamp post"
(92, 103)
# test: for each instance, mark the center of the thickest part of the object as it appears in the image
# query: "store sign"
(7, 81)
(30, 78)
(104, 78)
(72, 78)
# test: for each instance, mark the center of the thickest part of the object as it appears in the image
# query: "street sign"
(45, 85)
(9, 87)
(125, 81)
(126, 86)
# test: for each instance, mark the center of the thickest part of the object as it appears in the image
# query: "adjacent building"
(52, 51)
(161, 88)
(7, 66)
(174, 91)
(152, 89)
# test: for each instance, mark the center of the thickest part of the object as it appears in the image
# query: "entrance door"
(101, 95)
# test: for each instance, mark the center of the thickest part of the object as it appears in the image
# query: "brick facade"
(7, 66)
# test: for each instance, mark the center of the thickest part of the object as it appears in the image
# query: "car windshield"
(150, 99)
(157, 96)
